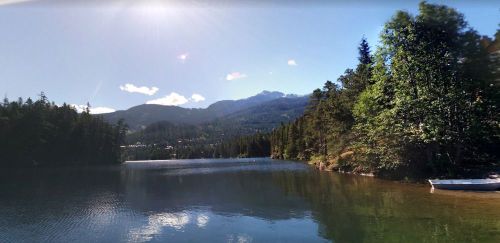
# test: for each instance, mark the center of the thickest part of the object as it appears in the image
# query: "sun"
(154, 9)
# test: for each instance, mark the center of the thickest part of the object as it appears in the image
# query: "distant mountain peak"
(272, 93)
(138, 117)
(276, 94)
(266, 92)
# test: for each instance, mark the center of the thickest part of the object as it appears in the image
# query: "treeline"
(257, 145)
(220, 138)
(166, 152)
(165, 140)
(168, 133)
(40, 133)
(426, 103)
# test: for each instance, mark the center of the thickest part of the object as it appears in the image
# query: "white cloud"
(197, 97)
(183, 57)
(235, 75)
(142, 90)
(100, 110)
(93, 110)
(292, 62)
(171, 99)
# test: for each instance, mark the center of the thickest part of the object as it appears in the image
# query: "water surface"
(235, 200)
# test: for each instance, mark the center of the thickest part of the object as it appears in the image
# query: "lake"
(234, 200)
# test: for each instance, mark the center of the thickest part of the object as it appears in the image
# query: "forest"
(166, 140)
(425, 103)
(40, 133)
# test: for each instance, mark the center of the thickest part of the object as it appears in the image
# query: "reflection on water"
(354, 209)
(156, 223)
(202, 220)
(468, 194)
(243, 200)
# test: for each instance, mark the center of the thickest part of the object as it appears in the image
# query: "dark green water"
(234, 201)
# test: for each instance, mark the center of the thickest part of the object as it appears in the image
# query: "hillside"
(138, 117)
(262, 118)
(190, 133)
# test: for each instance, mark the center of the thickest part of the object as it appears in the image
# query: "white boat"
(467, 184)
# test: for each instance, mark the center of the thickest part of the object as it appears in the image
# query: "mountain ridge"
(140, 116)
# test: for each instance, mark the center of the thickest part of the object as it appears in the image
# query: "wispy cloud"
(235, 75)
(197, 97)
(292, 62)
(142, 90)
(171, 99)
(93, 110)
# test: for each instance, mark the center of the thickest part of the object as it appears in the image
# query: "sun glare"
(154, 10)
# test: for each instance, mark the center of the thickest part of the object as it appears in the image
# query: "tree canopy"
(41, 133)
(425, 103)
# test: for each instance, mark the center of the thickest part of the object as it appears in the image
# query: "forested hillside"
(41, 133)
(139, 117)
(167, 140)
(426, 103)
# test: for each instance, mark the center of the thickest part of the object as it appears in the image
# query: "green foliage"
(426, 104)
(167, 140)
(431, 109)
(42, 134)
(257, 145)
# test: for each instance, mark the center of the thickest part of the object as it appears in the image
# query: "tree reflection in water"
(242, 200)
(361, 209)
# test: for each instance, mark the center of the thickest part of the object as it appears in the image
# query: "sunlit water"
(242, 200)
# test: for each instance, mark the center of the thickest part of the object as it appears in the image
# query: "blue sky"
(124, 53)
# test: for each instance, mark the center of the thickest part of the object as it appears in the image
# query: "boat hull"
(475, 185)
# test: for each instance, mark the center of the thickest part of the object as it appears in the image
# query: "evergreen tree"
(364, 52)
(425, 104)
(42, 134)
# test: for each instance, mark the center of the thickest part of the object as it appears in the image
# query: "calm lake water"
(238, 200)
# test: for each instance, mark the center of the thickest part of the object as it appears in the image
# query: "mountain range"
(261, 112)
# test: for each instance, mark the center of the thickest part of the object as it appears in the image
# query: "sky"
(118, 54)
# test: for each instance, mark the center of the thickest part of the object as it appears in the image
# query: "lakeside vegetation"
(40, 133)
(424, 104)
